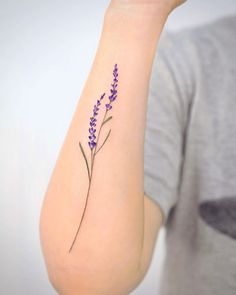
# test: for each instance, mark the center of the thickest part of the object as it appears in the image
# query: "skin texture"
(115, 243)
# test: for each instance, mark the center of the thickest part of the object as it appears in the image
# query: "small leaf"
(108, 119)
(104, 141)
(85, 158)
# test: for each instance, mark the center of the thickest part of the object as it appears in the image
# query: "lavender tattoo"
(93, 143)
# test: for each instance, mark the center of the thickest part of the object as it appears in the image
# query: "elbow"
(69, 281)
(110, 266)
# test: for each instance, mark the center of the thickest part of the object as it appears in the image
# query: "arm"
(108, 254)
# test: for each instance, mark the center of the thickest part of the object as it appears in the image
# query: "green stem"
(81, 218)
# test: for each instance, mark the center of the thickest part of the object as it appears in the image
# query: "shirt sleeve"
(170, 91)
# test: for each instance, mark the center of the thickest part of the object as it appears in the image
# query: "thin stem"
(81, 218)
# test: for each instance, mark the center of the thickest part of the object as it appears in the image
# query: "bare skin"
(115, 242)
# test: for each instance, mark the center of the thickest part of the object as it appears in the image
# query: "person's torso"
(201, 228)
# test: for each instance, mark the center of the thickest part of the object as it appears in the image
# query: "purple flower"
(93, 120)
(113, 90)
(108, 106)
(92, 123)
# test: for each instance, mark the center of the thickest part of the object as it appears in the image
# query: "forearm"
(111, 234)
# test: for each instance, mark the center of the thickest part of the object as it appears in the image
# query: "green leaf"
(85, 158)
(104, 141)
(108, 119)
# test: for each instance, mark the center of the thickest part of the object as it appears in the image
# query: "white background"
(46, 51)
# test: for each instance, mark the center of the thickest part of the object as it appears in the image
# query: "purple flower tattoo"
(92, 123)
(113, 95)
(94, 140)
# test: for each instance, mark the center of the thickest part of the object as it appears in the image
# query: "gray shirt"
(190, 156)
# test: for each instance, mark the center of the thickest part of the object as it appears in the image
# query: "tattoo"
(93, 145)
